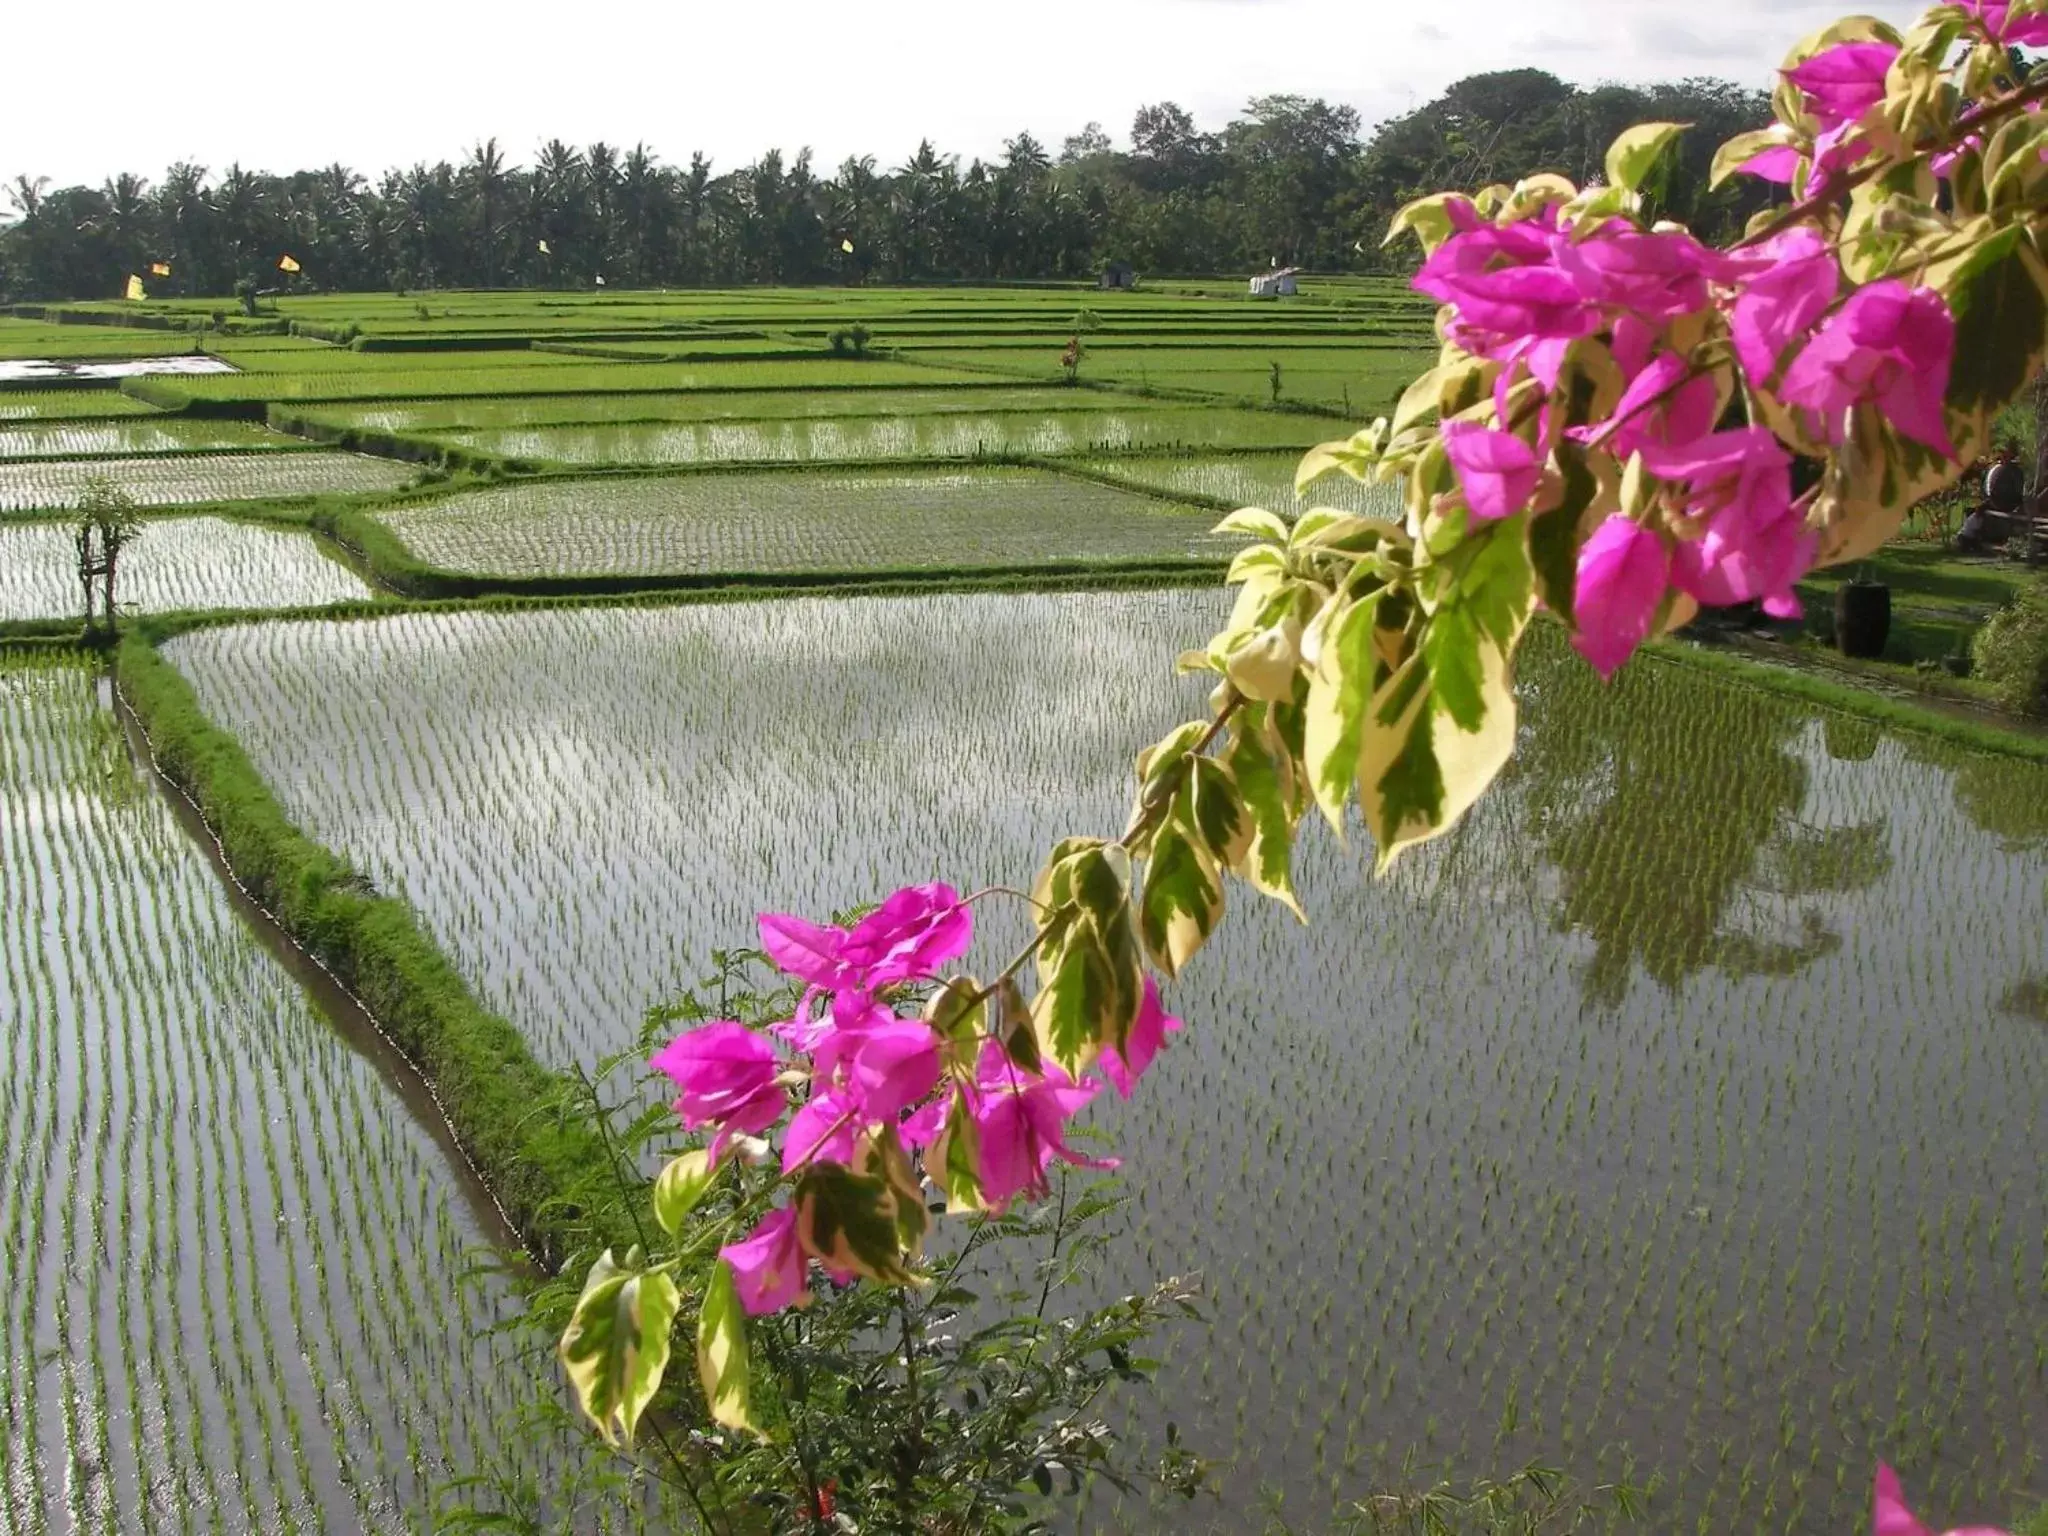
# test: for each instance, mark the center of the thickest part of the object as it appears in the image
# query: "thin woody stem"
(1156, 803)
(1003, 890)
(1147, 817)
(1967, 124)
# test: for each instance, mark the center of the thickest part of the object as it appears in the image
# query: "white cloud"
(383, 82)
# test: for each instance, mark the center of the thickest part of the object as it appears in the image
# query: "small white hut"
(1272, 285)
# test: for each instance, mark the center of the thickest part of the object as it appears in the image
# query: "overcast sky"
(120, 85)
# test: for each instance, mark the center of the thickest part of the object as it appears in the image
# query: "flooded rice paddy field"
(37, 370)
(192, 478)
(230, 1247)
(178, 562)
(1678, 1118)
(798, 522)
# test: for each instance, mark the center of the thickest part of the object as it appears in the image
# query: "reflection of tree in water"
(2028, 998)
(2005, 796)
(1668, 805)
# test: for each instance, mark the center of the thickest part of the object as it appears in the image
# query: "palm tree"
(184, 224)
(127, 220)
(239, 201)
(696, 206)
(601, 176)
(27, 196)
(925, 185)
(557, 194)
(486, 180)
(645, 201)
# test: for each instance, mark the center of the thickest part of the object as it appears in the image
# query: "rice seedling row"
(190, 479)
(389, 380)
(1168, 346)
(853, 439)
(69, 405)
(1369, 380)
(228, 1247)
(786, 522)
(1247, 480)
(686, 349)
(179, 562)
(36, 338)
(294, 355)
(616, 409)
(1619, 1130)
(75, 440)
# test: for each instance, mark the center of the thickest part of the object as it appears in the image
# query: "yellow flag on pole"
(287, 264)
(135, 287)
(160, 268)
(544, 249)
(846, 246)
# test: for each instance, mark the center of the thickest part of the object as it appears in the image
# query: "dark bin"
(1863, 617)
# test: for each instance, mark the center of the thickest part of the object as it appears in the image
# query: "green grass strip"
(1847, 698)
(546, 1168)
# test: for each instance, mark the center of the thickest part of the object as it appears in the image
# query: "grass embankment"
(1848, 697)
(1939, 601)
(546, 1166)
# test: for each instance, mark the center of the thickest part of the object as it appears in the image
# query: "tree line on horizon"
(1290, 181)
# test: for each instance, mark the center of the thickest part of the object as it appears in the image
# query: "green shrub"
(2011, 652)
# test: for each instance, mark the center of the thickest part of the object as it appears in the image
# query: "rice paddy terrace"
(1679, 1118)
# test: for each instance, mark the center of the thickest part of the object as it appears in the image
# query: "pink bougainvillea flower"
(823, 1131)
(1497, 470)
(1482, 246)
(1787, 285)
(1843, 82)
(1019, 1118)
(831, 1039)
(1623, 571)
(1657, 276)
(1888, 344)
(1841, 85)
(1893, 1518)
(895, 1065)
(1542, 361)
(1753, 543)
(768, 1265)
(922, 1125)
(1519, 302)
(910, 935)
(809, 951)
(1778, 164)
(1504, 285)
(2005, 29)
(1148, 1034)
(1660, 407)
(727, 1076)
